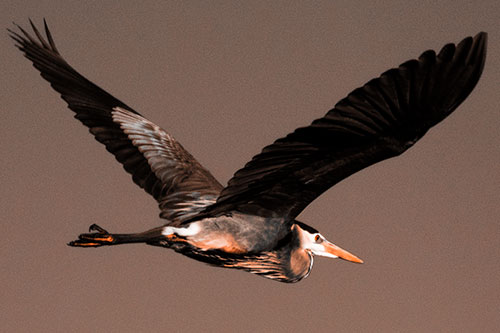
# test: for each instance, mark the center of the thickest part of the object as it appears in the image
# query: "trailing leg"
(100, 237)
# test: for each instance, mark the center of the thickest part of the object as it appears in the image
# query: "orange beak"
(341, 253)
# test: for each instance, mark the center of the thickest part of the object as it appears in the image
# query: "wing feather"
(156, 161)
(380, 120)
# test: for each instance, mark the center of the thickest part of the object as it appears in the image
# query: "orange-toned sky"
(226, 78)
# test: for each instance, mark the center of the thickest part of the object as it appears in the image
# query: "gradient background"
(226, 78)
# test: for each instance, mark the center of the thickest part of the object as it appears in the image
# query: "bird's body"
(236, 233)
(250, 223)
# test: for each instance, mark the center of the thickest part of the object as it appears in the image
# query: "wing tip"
(479, 48)
(27, 40)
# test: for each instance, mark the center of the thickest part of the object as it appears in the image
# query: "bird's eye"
(317, 239)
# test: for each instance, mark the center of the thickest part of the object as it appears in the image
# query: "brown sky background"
(227, 78)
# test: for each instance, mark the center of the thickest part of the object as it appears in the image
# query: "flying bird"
(250, 224)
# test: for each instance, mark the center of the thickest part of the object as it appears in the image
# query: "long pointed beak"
(341, 253)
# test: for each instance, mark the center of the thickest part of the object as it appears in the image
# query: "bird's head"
(312, 241)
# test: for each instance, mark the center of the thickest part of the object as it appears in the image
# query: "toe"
(95, 227)
(82, 243)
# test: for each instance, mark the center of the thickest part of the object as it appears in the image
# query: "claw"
(95, 227)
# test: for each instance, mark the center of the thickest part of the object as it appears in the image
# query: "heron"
(250, 224)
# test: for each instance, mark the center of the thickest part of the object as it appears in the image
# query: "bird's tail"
(100, 237)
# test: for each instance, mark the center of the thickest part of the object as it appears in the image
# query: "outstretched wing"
(157, 163)
(382, 119)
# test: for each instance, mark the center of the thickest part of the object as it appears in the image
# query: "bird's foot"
(94, 239)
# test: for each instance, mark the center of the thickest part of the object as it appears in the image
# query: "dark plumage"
(250, 224)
